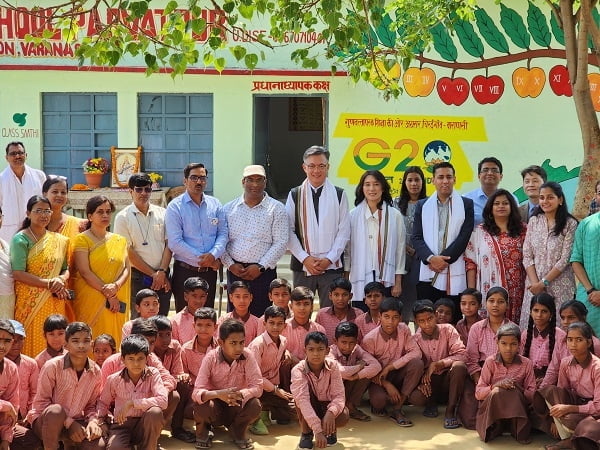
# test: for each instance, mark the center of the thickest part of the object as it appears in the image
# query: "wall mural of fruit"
(528, 82)
(418, 82)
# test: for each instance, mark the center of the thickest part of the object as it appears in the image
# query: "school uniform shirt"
(295, 334)
(443, 345)
(327, 387)
(269, 356)
(561, 352)
(396, 349)
(47, 355)
(482, 343)
(328, 320)
(114, 363)
(251, 325)
(28, 379)
(539, 353)
(216, 373)
(365, 324)
(461, 327)
(9, 395)
(182, 326)
(147, 393)
(192, 358)
(494, 370)
(583, 380)
(171, 360)
(349, 366)
(59, 384)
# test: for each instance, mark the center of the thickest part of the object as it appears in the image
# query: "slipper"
(244, 444)
(203, 443)
(379, 412)
(565, 444)
(450, 423)
(430, 411)
(357, 414)
(184, 435)
(400, 419)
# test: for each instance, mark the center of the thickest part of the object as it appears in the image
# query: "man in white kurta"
(18, 183)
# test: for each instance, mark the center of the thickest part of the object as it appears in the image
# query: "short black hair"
(145, 327)
(55, 322)
(108, 339)
(301, 293)
(134, 344)
(238, 284)
(315, 150)
(205, 313)
(280, 282)
(442, 165)
(144, 293)
(317, 337)
(348, 329)
(444, 302)
(374, 286)
(422, 306)
(341, 283)
(139, 180)
(473, 293)
(391, 304)
(489, 159)
(193, 283)
(230, 326)
(16, 144)
(76, 327)
(191, 166)
(538, 170)
(5, 325)
(162, 323)
(274, 311)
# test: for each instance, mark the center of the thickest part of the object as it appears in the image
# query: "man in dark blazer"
(533, 178)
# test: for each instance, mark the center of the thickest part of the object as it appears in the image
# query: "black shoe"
(331, 439)
(306, 441)
(184, 435)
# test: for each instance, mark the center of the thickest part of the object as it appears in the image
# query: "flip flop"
(431, 411)
(400, 419)
(450, 423)
(203, 443)
(379, 412)
(357, 414)
(244, 444)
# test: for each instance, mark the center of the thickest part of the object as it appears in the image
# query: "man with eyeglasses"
(258, 236)
(490, 175)
(18, 183)
(143, 225)
(320, 226)
(196, 234)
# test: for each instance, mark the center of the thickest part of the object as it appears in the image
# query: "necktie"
(316, 193)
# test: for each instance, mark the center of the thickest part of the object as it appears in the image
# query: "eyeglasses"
(196, 178)
(490, 170)
(140, 189)
(17, 153)
(316, 166)
(45, 212)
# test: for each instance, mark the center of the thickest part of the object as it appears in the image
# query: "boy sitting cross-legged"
(356, 366)
(228, 388)
(318, 391)
(136, 397)
(9, 386)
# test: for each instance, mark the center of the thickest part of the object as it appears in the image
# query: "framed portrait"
(125, 162)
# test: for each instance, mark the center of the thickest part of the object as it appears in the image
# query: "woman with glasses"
(39, 262)
(101, 275)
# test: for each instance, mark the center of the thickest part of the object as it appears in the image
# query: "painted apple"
(453, 91)
(559, 80)
(528, 82)
(487, 90)
(594, 80)
(418, 82)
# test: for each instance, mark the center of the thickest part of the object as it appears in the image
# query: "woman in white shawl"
(377, 247)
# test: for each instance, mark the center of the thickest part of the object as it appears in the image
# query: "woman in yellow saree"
(101, 279)
(39, 262)
(55, 189)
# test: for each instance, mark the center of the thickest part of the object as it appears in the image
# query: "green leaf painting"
(468, 38)
(443, 44)
(490, 32)
(538, 25)
(513, 24)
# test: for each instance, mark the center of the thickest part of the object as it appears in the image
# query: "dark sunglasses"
(139, 189)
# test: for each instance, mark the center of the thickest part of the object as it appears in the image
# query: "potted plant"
(155, 177)
(94, 169)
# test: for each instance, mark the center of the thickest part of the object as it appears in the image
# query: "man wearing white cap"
(258, 236)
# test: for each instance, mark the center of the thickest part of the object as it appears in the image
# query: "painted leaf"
(538, 26)
(513, 24)
(490, 32)
(468, 38)
(386, 35)
(596, 18)
(557, 31)
(442, 42)
(373, 37)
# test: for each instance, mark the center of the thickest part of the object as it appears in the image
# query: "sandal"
(450, 423)
(203, 443)
(400, 419)
(357, 414)
(560, 445)
(244, 444)
(431, 411)
(379, 412)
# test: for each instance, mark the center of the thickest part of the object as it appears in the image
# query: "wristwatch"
(590, 290)
(261, 268)
(546, 282)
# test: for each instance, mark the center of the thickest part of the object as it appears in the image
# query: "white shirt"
(6, 278)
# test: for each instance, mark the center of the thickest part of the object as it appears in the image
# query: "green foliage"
(513, 25)
(490, 31)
